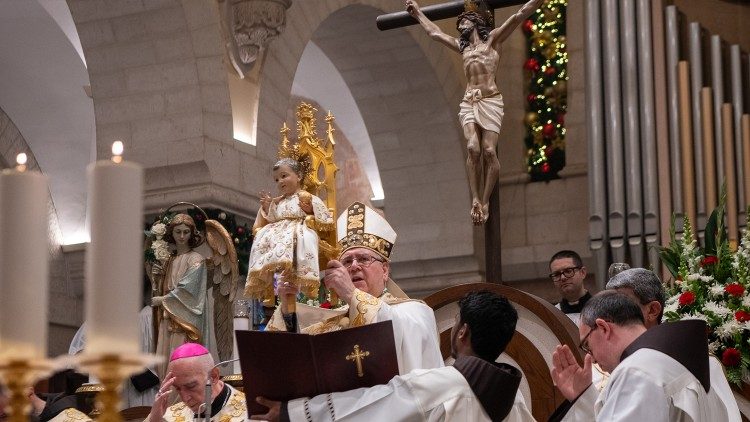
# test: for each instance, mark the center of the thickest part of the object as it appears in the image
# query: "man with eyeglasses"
(567, 273)
(660, 374)
(361, 278)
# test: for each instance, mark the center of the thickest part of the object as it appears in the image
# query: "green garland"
(546, 73)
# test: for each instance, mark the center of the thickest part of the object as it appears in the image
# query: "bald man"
(189, 367)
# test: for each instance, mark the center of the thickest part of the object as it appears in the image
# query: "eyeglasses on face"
(584, 346)
(362, 260)
(564, 273)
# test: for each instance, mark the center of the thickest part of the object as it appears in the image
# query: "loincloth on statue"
(487, 112)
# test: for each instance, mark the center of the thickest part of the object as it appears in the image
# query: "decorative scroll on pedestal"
(248, 27)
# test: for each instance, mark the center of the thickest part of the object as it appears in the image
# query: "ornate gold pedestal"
(18, 375)
(111, 370)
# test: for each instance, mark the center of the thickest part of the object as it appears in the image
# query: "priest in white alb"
(660, 374)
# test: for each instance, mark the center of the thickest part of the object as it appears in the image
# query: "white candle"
(24, 255)
(114, 258)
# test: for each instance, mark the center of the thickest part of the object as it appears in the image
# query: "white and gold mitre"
(359, 226)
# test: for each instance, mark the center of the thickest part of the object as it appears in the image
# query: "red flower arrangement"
(742, 316)
(735, 289)
(687, 298)
(709, 260)
(731, 357)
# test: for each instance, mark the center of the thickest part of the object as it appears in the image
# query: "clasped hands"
(569, 377)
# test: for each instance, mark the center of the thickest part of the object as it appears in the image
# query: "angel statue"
(181, 278)
(286, 234)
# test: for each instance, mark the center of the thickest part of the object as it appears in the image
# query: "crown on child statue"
(481, 8)
(292, 149)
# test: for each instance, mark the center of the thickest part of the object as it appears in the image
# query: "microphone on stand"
(206, 409)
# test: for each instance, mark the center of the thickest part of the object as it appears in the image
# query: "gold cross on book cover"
(285, 366)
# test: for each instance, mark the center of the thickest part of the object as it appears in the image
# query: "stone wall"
(159, 82)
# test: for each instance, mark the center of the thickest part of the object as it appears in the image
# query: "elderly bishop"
(361, 278)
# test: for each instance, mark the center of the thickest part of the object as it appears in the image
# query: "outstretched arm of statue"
(432, 30)
(501, 33)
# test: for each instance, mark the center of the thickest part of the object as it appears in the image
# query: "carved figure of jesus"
(481, 110)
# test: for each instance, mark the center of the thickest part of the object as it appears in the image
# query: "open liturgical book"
(285, 366)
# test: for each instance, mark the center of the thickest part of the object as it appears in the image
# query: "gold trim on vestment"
(364, 304)
(176, 323)
(257, 284)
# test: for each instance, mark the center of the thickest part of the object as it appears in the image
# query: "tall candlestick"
(114, 260)
(23, 262)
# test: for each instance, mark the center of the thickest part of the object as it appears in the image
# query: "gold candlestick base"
(111, 369)
(18, 374)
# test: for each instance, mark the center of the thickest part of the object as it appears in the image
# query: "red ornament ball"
(532, 65)
(546, 168)
(560, 118)
(548, 130)
(550, 71)
(240, 230)
(531, 98)
(528, 26)
(548, 151)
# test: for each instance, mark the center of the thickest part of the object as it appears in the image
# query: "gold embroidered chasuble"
(234, 411)
(71, 415)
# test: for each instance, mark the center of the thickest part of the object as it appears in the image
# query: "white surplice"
(440, 394)
(649, 386)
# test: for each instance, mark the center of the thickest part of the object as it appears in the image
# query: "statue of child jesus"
(284, 243)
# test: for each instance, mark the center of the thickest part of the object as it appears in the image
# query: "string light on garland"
(546, 76)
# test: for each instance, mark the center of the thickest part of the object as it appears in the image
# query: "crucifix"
(481, 110)
(357, 355)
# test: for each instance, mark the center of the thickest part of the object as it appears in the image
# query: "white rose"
(159, 229)
(161, 250)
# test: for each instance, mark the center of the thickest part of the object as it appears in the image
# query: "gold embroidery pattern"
(177, 412)
(355, 222)
(72, 415)
(367, 240)
(364, 301)
(235, 408)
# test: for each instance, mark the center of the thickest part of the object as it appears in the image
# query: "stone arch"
(407, 92)
(159, 83)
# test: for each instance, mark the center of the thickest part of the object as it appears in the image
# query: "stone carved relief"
(248, 27)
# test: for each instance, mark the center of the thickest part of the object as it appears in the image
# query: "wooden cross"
(435, 12)
(357, 355)
(493, 268)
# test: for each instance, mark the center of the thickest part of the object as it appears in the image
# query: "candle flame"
(117, 149)
(21, 160)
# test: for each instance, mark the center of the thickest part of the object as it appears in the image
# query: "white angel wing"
(224, 276)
